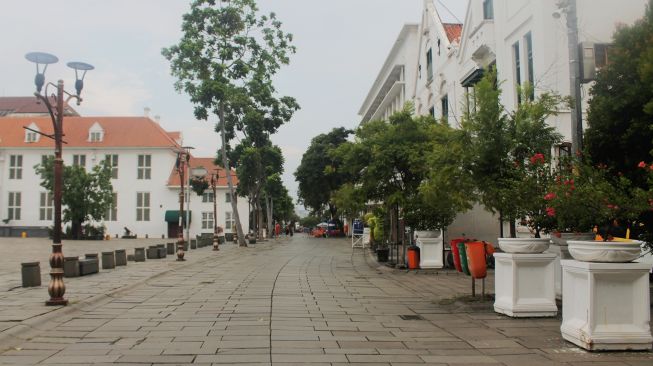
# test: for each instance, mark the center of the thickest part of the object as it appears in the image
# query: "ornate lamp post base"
(56, 288)
(215, 242)
(180, 251)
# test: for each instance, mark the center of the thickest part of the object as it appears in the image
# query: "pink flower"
(641, 164)
(550, 196)
(550, 211)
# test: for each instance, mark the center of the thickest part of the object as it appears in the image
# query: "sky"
(341, 46)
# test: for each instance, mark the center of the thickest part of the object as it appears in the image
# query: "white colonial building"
(145, 181)
(526, 40)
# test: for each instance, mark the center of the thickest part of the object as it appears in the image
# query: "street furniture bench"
(139, 254)
(71, 266)
(31, 274)
(152, 252)
(108, 260)
(89, 265)
(121, 257)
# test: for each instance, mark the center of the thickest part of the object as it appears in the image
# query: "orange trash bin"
(413, 257)
(476, 261)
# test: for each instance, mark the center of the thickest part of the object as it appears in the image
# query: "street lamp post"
(214, 183)
(183, 159)
(56, 288)
(200, 173)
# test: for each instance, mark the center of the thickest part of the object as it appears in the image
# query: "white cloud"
(114, 92)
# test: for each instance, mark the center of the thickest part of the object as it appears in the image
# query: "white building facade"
(143, 156)
(526, 40)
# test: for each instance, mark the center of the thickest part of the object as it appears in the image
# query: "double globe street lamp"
(55, 105)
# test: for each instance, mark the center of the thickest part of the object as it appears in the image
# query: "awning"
(473, 78)
(173, 216)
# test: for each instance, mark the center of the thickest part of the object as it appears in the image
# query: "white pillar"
(524, 285)
(430, 249)
(606, 305)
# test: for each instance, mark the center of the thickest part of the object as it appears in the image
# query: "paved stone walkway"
(298, 301)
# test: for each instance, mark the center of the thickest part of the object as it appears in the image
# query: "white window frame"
(112, 211)
(13, 205)
(207, 197)
(227, 197)
(79, 160)
(143, 206)
(15, 167)
(46, 206)
(228, 221)
(144, 167)
(113, 162)
(207, 220)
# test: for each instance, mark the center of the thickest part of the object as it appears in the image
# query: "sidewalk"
(22, 308)
(299, 301)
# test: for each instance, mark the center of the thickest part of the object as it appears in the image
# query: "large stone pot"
(523, 245)
(605, 251)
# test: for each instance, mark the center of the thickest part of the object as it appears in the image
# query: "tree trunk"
(268, 204)
(230, 183)
(501, 225)
(259, 213)
(513, 229)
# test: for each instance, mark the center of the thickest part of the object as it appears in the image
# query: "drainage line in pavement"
(274, 286)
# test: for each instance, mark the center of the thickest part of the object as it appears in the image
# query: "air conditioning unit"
(593, 57)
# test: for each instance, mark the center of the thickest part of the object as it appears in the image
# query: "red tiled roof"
(453, 30)
(208, 164)
(28, 105)
(118, 132)
(175, 135)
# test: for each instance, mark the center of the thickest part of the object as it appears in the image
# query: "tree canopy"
(225, 62)
(621, 106)
(85, 196)
(321, 173)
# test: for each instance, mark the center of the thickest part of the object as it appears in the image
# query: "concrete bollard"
(152, 252)
(139, 254)
(31, 274)
(108, 260)
(71, 266)
(121, 257)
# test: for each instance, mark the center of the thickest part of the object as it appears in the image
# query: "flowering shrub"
(533, 198)
(583, 197)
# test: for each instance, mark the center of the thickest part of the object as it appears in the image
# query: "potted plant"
(586, 197)
(531, 202)
(376, 235)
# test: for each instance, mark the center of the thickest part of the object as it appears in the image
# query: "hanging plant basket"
(199, 185)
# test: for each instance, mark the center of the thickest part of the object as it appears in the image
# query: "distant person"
(277, 230)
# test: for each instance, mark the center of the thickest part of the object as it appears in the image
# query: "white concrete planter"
(606, 305)
(430, 245)
(559, 247)
(524, 285)
(605, 251)
(523, 245)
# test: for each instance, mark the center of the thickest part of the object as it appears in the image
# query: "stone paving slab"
(299, 301)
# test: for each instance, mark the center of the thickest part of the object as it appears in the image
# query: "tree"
(86, 196)
(448, 188)
(621, 106)
(501, 143)
(320, 173)
(620, 136)
(254, 166)
(225, 62)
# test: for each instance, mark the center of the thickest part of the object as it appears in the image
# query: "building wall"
(490, 41)
(162, 197)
